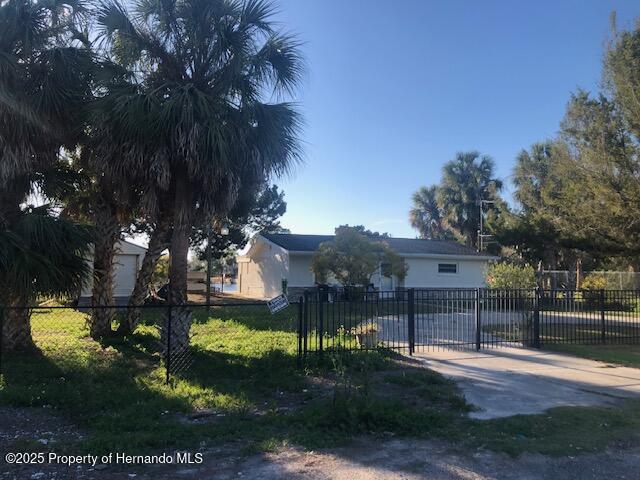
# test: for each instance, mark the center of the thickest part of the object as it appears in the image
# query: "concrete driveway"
(511, 381)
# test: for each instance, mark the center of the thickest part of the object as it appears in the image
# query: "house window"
(447, 268)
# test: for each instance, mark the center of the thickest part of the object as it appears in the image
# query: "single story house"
(127, 262)
(273, 261)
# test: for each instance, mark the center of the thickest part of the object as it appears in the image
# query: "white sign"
(278, 303)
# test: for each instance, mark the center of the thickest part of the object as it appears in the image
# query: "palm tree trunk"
(103, 257)
(180, 318)
(158, 242)
(16, 325)
(178, 266)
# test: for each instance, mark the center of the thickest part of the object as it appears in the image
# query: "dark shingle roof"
(403, 246)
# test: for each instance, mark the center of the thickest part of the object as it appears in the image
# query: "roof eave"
(419, 255)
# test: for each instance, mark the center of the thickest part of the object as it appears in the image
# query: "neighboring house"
(274, 260)
(127, 262)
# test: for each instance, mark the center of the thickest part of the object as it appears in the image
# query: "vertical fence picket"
(305, 323)
(603, 332)
(478, 320)
(300, 322)
(411, 320)
(321, 304)
(536, 317)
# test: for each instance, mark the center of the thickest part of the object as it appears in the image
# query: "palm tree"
(466, 181)
(426, 214)
(196, 121)
(45, 77)
(40, 255)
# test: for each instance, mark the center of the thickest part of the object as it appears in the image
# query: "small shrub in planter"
(367, 334)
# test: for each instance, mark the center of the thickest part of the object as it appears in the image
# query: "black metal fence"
(177, 339)
(414, 320)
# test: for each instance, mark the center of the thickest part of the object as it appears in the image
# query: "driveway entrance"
(513, 381)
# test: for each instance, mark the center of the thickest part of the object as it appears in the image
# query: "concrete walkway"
(511, 381)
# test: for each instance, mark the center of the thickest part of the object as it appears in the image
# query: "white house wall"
(423, 273)
(300, 274)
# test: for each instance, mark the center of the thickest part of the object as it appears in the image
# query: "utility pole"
(481, 234)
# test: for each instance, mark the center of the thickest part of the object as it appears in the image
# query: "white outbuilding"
(127, 262)
(275, 261)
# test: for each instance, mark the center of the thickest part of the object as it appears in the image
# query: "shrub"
(508, 275)
(594, 281)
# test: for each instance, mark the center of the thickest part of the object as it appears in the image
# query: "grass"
(627, 355)
(561, 431)
(243, 387)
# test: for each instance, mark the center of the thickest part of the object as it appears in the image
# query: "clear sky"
(395, 88)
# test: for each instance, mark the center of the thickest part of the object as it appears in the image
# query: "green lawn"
(243, 386)
(627, 355)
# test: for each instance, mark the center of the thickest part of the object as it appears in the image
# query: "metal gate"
(472, 319)
(418, 320)
(415, 320)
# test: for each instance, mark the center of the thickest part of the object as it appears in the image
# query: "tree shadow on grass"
(249, 377)
(120, 403)
(142, 345)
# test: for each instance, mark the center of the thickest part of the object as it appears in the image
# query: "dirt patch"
(30, 430)
(40, 426)
(367, 458)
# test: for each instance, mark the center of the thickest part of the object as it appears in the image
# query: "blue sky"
(394, 89)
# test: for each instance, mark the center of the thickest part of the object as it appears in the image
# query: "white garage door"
(124, 274)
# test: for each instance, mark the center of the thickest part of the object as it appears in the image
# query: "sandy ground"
(370, 459)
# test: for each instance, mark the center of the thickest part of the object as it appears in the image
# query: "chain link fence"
(170, 339)
(567, 279)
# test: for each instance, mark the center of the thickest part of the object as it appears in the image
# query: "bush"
(508, 275)
(594, 281)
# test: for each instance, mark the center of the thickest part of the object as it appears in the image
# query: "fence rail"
(175, 337)
(416, 320)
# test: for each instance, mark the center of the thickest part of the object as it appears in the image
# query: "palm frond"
(44, 255)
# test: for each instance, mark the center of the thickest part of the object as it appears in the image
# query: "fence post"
(478, 321)
(411, 320)
(168, 357)
(603, 331)
(300, 315)
(536, 318)
(305, 322)
(320, 319)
